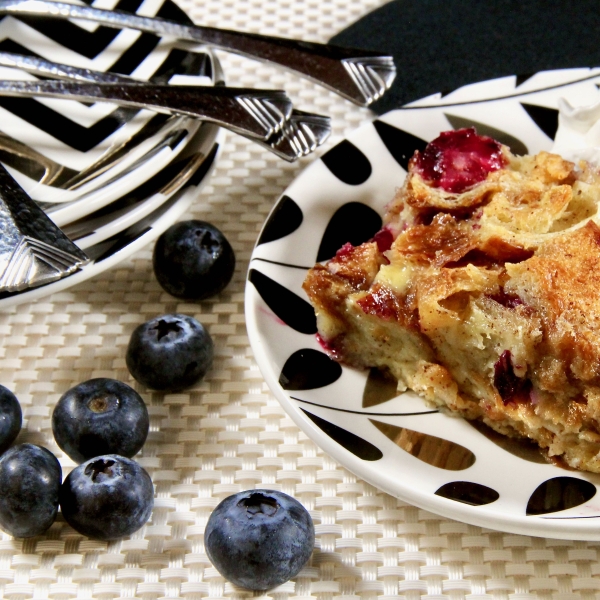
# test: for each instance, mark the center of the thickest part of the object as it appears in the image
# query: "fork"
(300, 134)
(256, 114)
(33, 250)
(361, 76)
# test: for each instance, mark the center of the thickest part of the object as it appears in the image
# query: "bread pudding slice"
(481, 293)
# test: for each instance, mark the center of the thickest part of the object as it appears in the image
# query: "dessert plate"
(147, 198)
(127, 233)
(396, 442)
(61, 150)
(173, 142)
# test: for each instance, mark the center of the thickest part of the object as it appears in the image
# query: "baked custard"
(481, 293)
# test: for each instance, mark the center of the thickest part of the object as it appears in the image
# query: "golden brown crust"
(486, 304)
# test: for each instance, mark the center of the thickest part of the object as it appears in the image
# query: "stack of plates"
(112, 178)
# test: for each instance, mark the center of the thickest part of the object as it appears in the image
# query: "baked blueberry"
(30, 479)
(107, 498)
(170, 352)
(100, 416)
(11, 418)
(259, 539)
(193, 260)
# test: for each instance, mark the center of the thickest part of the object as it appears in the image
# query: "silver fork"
(256, 114)
(362, 76)
(300, 135)
(33, 250)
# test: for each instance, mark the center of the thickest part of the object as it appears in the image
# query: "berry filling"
(457, 160)
(329, 349)
(506, 299)
(511, 388)
(384, 239)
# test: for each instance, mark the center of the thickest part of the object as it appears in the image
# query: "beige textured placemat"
(229, 433)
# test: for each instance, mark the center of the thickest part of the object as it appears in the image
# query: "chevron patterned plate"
(136, 222)
(112, 179)
(64, 151)
(396, 442)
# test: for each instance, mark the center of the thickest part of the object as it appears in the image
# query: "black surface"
(440, 45)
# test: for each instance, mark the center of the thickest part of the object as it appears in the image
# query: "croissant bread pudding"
(481, 293)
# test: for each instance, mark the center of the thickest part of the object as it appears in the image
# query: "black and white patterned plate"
(61, 150)
(442, 464)
(121, 236)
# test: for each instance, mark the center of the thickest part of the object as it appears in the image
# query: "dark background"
(440, 45)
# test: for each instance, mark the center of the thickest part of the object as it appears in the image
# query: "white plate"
(72, 137)
(343, 410)
(172, 143)
(133, 206)
(115, 246)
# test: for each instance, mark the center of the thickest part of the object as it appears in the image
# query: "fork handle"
(362, 76)
(256, 114)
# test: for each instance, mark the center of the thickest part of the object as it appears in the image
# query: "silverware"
(301, 134)
(256, 114)
(362, 76)
(46, 68)
(33, 250)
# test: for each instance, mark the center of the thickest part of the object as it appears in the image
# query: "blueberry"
(100, 416)
(30, 479)
(259, 539)
(193, 260)
(170, 352)
(10, 418)
(107, 498)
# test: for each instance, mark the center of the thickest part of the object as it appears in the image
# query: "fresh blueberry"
(30, 479)
(259, 539)
(107, 498)
(100, 416)
(10, 418)
(170, 352)
(193, 260)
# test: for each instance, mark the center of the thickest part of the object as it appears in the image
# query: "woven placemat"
(228, 433)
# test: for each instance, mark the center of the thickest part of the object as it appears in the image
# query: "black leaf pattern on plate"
(294, 311)
(348, 163)
(468, 492)
(521, 79)
(308, 369)
(430, 449)
(352, 442)
(560, 493)
(353, 223)
(516, 146)
(521, 447)
(380, 388)
(545, 118)
(284, 219)
(399, 143)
